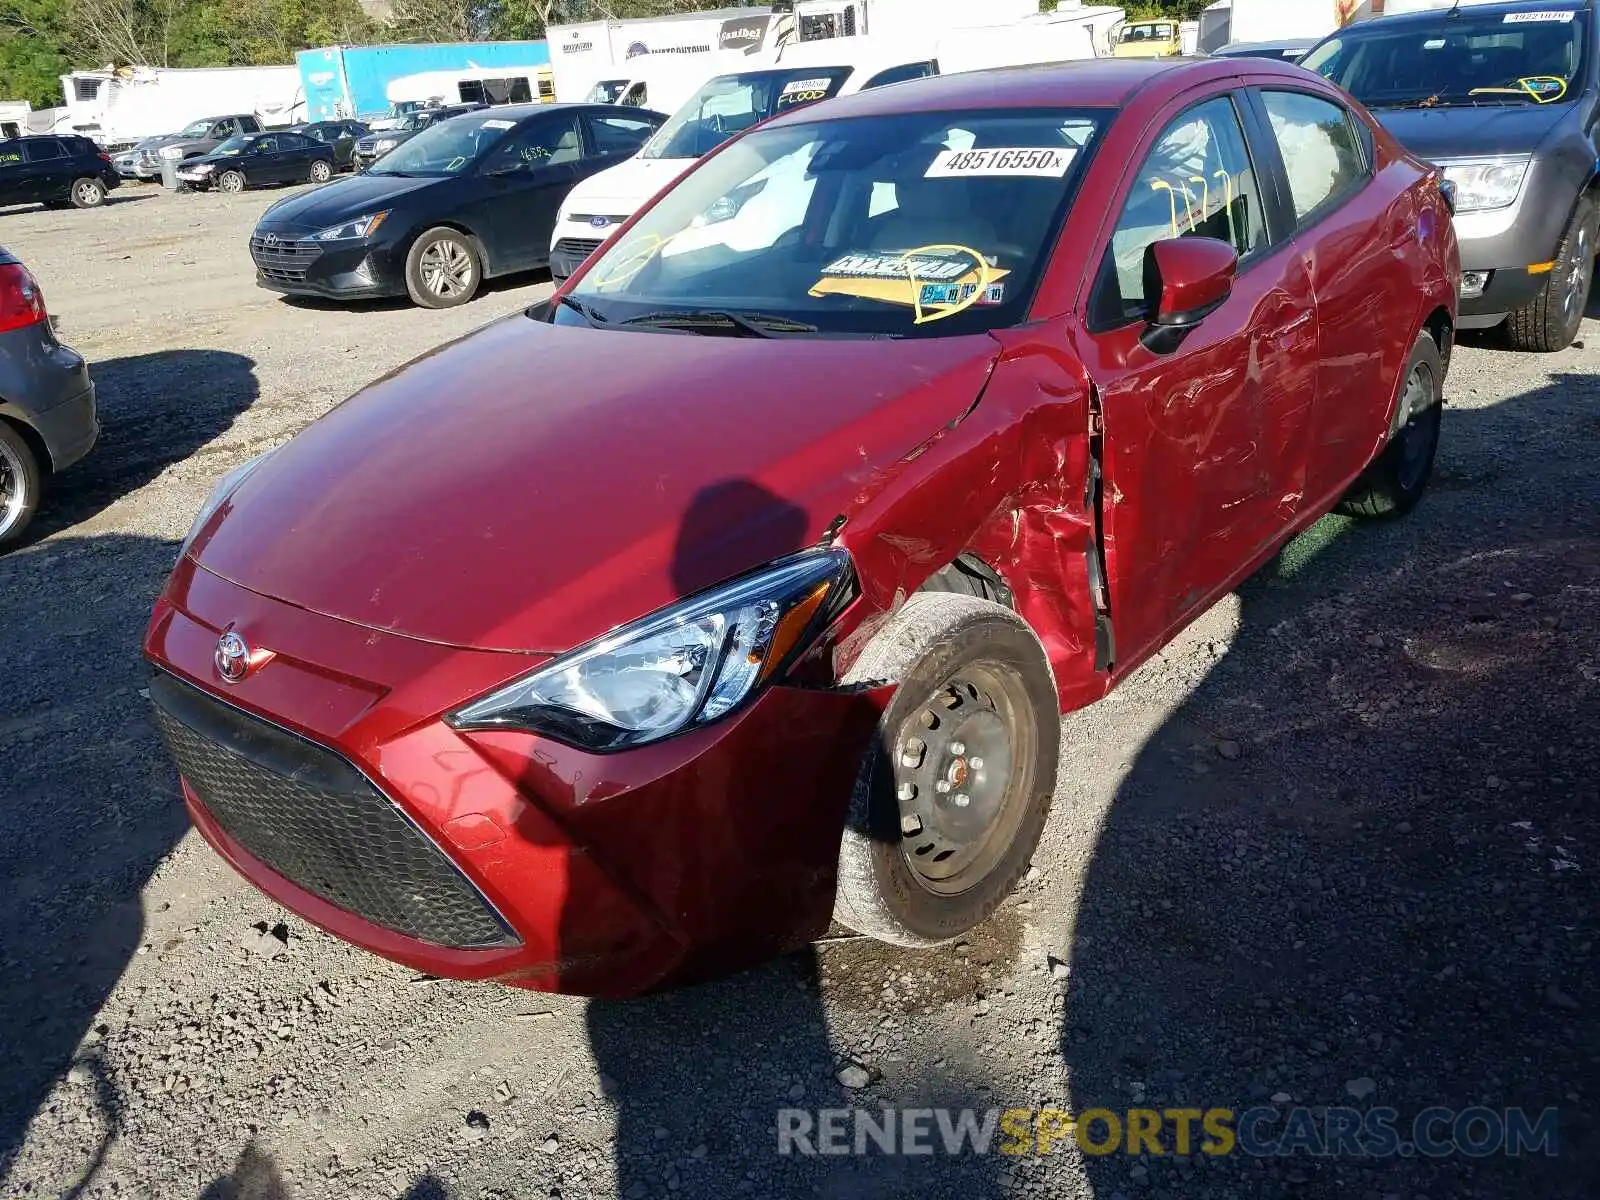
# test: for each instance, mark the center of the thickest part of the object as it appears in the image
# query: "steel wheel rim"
(1417, 434)
(446, 269)
(231, 182)
(964, 742)
(13, 489)
(88, 193)
(1578, 275)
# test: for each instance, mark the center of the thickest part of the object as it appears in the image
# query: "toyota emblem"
(232, 657)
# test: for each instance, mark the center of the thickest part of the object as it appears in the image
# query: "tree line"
(40, 40)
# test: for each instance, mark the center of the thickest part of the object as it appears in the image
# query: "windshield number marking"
(1530, 18)
(1017, 161)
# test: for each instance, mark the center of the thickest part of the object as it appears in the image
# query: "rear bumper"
(46, 386)
(616, 874)
(70, 430)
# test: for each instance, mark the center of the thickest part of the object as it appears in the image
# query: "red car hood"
(530, 487)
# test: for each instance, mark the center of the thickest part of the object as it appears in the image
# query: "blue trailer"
(349, 81)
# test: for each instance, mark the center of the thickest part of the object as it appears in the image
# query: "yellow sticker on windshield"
(936, 281)
(1542, 89)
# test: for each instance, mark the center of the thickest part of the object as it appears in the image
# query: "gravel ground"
(1336, 846)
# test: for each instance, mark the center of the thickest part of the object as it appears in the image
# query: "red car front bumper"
(608, 874)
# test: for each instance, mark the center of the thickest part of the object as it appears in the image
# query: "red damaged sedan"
(741, 588)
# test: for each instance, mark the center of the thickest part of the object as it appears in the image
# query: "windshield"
(196, 129)
(1457, 58)
(607, 91)
(917, 224)
(1149, 33)
(446, 148)
(234, 145)
(730, 104)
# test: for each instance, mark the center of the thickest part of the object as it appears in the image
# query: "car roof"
(1090, 83)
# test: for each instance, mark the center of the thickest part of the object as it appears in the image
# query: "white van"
(665, 83)
(728, 104)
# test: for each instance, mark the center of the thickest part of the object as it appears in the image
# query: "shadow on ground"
(1357, 867)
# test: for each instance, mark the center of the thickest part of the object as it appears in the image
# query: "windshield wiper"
(713, 322)
(584, 311)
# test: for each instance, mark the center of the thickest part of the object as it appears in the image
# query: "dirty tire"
(1550, 321)
(21, 483)
(231, 182)
(443, 269)
(937, 638)
(321, 172)
(1395, 480)
(86, 193)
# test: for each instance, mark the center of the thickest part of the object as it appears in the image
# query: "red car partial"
(742, 586)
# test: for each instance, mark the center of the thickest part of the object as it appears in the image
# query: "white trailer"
(1066, 35)
(118, 107)
(818, 20)
(583, 55)
(481, 85)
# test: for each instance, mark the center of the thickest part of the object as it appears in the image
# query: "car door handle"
(1404, 238)
(1284, 334)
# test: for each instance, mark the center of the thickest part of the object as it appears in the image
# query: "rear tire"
(231, 182)
(321, 172)
(86, 193)
(1551, 320)
(21, 484)
(1395, 480)
(976, 714)
(443, 269)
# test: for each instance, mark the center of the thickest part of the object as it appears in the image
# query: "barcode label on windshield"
(1039, 162)
(1529, 18)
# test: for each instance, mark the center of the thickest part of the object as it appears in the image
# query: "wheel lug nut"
(942, 786)
(975, 763)
(908, 791)
(910, 825)
(911, 756)
(958, 748)
(962, 799)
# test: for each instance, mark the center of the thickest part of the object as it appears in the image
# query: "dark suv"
(1505, 99)
(56, 172)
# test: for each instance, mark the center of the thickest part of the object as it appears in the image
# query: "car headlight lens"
(226, 486)
(203, 168)
(683, 667)
(361, 227)
(1486, 184)
(385, 144)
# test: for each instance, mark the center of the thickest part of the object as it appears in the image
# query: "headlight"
(1484, 184)
(385, 144)
(681, 668)
(203, 168)
(226, 486)
(361, 227)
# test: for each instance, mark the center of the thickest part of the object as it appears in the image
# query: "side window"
(1323, 156)
(638, 96)
(1197, 182)
(41, 149)
(916, 70)
(10, 153)
(545, 144)
(265, 145)
(618, 135)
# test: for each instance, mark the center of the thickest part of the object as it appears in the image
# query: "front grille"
(579, 247)
(315, 819)
(285, 260)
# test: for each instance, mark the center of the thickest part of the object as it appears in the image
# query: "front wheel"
(21, 482)
(443, 269)
(1550, 321)
(321, 172)
(1394, 481)
(231, 182)
(950, 802)
(87, 193)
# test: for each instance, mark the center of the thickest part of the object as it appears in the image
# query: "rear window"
(10, 153)
(1462, 58)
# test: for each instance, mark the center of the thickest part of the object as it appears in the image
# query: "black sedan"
(256, 158)
(466, 199)
(375, 144)
(341, 136)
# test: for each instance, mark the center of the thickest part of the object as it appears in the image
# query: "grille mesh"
(578, 247)
(314, 819)
(286, 261)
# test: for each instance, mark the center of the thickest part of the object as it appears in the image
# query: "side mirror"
(1185, 281)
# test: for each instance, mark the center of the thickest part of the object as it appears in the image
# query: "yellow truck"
(1148, 39)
